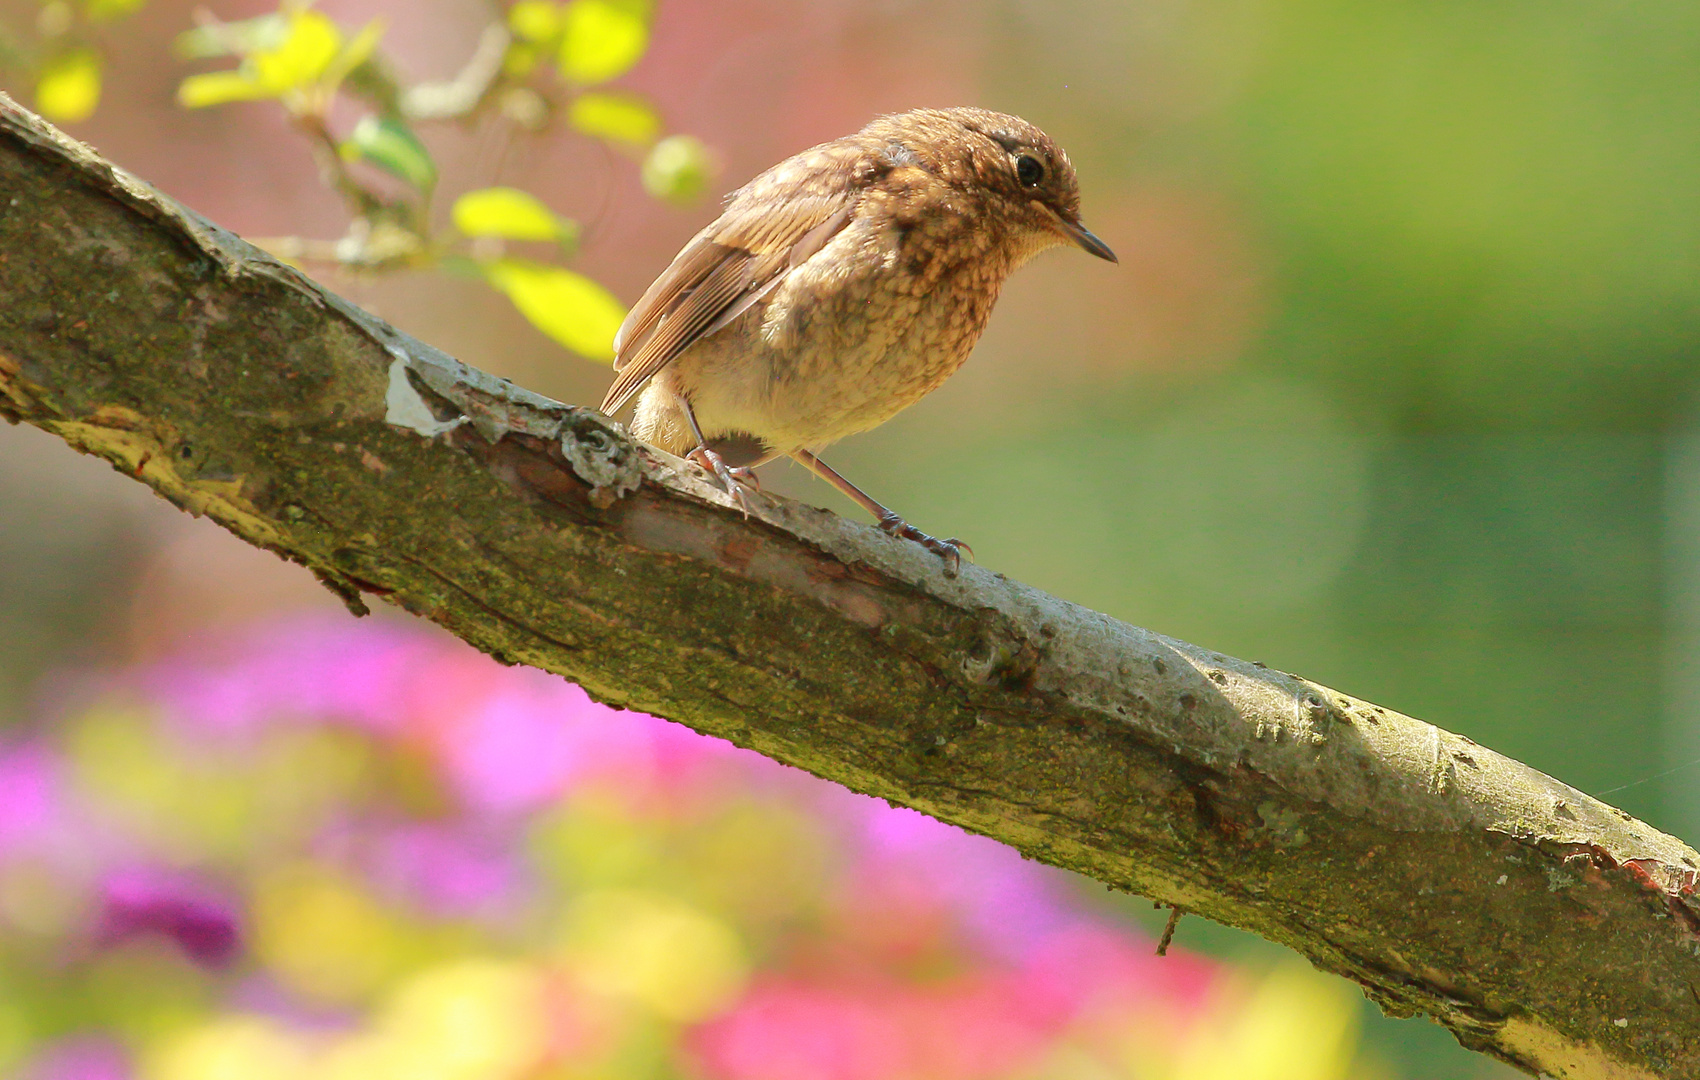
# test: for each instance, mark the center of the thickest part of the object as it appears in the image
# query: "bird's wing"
(720, 274)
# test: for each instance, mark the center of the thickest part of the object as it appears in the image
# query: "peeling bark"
(1540, 925)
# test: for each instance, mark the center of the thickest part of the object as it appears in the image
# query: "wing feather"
(688, 269)
(682, 327)
(723, 272)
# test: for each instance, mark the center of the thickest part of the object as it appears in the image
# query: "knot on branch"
(601, 458)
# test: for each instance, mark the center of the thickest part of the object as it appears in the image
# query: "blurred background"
(1393, 387)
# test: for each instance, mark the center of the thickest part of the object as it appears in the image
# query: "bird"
(838, 288)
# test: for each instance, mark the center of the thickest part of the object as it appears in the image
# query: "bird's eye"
(1029, 170)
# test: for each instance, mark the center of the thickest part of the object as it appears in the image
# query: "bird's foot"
(734, 480)
(949, 549)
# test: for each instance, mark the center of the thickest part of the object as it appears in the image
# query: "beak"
(1082, 236)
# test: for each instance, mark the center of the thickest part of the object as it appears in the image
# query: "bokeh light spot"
(679, 961)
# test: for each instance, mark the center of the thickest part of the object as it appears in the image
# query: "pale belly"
(841, 369)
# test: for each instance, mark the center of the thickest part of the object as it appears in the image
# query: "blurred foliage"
(511, 214)
(1484, 213)
(1430, 466)
(68, 86)
(348, 852)
(302, 60)
(299, 57)
(677, 169)
(569, 307)
(61, 56)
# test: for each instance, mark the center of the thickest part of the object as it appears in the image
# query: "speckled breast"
(851, 352)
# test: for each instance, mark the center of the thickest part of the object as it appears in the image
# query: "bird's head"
(1022, 178)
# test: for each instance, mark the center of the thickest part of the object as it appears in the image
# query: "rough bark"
(1540, 925)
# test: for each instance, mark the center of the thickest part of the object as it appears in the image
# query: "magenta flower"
(140, 903)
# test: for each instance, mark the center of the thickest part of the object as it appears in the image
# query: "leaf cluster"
(543, 65)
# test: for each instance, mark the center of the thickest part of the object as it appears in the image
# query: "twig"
(333, 169)
(1175, 913)
(462, 95)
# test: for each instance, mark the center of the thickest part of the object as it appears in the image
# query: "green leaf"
(391, 145)
(68, 88)
(678, 169)
(460, 266)
(313, 42)
(508, 213)
(106, 10)
(617, 117)
(535, 20)
(569, 307)
(602, 39)
(219, 88)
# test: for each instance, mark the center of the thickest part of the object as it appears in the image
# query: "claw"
(733, 479)
(949, 549)
(746, 477)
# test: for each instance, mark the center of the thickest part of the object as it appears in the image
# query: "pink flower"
(316, 669)
(789, 1031)
(443, 868)
(519, 746)
(30, 798)
(79, 1059)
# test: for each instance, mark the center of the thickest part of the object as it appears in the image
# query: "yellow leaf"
(68, 88)
(506, 212)
(535, 20)
(358, 50)
(624, 118)
(313, 42)
(603, 39)
(218, 88)
(569, 307)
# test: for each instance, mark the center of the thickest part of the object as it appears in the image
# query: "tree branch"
(1540, 925)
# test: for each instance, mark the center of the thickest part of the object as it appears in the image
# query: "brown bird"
(840, 287)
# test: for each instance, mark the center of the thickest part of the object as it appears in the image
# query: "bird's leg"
(733, 479)
(950, 549)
